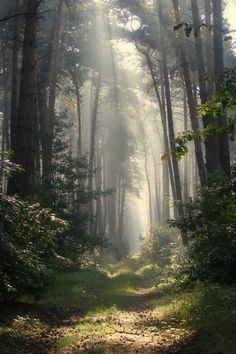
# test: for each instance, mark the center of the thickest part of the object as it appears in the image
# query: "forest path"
(112, 308)
(134, 330)
(123, 315)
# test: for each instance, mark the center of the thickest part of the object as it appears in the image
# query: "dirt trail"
(95, 312)
(134, 330)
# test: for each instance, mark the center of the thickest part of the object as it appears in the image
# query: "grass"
(21, 329)
(85, 327)
(206, 313)
(97, 291)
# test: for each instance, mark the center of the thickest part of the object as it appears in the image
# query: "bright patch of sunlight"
(102, 310)
(230, 11)
(202, 309)
(94, 327)
(134, 24)
(88, 326)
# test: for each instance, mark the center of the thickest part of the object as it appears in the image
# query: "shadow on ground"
(99, 312)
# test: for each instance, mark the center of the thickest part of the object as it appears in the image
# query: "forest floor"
(121, 308)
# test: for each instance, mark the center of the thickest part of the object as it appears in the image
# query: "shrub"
(210, 224)
(28, 239)
(161, 246)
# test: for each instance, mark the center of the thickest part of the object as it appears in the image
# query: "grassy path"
(120, 309)
(119, 313)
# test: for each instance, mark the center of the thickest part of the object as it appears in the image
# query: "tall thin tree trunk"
(190, 96)
(92, 148)
(209, 48)
(5, 124)
(23, 183)
(50, 117)
(224, 154)
(148, 184)
(211, 143)
(74, 76)
(98, 182)
(104, 198)
(80, 137)
(166, 192)
(121, 208)
(170, 119)
(162, 105)
(14, 80)
(186, 160)
(157, 212)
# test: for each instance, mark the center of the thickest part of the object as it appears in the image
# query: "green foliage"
(210, 225)
(182, 140)
(160, 246)
(71, 195)
(221, 104)
(28, 238)
(207, 311)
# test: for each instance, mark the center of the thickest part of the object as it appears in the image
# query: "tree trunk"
(209, 48)
(14, 80)
(211, 144)
(5, 123)
(104, 199)
(80, 141)
(148, 184)
(224, 154)
(23, 183)
(50, 117)
(75, 81)
(186, 188)
(121, 208)
(166, 192)
(98, 179)
(169, 114)
(189, 92)
(170, 119)
(162, 106)
(158, 216)
(92, 149)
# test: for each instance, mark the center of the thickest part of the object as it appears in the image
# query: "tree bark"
(14, 80)
(23, 183)
(50, 116)
(121, 208)
(92, 149)
(148, 184)
(189, 92)
(209, 48)
(162, 105)
(170, 119)
(5, 123)
(98, 227)
(211, 144)
(186, 188)
(224, 154)
(74, 77)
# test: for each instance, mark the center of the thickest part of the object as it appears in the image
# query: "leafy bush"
(28, 239)
(210, 224)
(161, 246)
